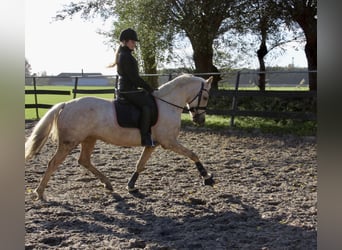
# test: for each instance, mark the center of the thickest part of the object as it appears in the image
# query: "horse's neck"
(178, 95)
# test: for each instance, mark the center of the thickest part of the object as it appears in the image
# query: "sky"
(73, 45)
(63, 46)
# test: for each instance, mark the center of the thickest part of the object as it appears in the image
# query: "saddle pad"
(128, 116)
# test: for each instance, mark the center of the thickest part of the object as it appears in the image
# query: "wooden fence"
(36, 92)
(232, 110)
(76, 91)
(236, 94)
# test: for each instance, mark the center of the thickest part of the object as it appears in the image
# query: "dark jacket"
(128, 71)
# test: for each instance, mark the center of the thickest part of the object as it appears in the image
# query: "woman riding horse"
(85, 120)
(129, 81)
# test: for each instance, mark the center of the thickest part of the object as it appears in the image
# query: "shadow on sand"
(199, 228)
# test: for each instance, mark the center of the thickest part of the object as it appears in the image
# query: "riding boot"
(145, 129)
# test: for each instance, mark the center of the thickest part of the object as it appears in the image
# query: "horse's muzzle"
(199, 119)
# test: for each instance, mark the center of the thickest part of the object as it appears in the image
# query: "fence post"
(75, 86)
(35, 96)
(234, 101)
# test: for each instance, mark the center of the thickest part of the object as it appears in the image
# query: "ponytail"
(116, 57)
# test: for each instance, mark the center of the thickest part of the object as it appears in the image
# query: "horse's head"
(197, 106)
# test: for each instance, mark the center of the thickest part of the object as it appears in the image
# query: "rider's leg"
(140, 100)
(145, 127)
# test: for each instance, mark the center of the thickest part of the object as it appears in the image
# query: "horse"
(87, 119)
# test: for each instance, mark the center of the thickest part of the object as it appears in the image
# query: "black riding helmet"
(128, 34)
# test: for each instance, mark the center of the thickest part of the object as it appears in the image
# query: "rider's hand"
(150, 90)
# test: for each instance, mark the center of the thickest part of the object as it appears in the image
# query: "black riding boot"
(145, 129)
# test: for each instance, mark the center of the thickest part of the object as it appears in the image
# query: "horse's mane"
(169, 86)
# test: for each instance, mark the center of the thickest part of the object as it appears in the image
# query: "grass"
(214, 122)
(256, 124)
(30, 114)
(267, 87)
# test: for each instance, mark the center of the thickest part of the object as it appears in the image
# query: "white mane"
(169, 86)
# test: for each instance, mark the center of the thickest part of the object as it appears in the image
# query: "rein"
(191, 109)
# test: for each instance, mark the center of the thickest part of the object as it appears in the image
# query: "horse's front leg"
(145, 155)
(180, 149)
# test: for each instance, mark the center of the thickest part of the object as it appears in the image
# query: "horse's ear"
(210, 80)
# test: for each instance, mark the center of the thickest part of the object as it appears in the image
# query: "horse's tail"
(42, 130)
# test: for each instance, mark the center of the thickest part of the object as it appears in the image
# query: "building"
(84, 79)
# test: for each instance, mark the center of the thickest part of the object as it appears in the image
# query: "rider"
(130, 81)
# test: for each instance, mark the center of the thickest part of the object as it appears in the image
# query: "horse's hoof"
(108, 186)
(209, 181)
(132, 189)
(37, 197)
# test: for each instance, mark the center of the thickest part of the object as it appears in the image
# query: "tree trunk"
(305, 16)
(311, 55)
(262, 52)
(203, 58)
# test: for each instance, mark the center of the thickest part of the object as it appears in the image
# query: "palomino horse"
(88, 119)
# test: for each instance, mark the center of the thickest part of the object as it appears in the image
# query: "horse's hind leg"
(60, 155)
(145, 155)
(84, 160)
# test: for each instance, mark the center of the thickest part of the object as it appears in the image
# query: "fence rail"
(36, 92)
(76, 91)
(232, 111)
(268, 114)
(92, 91)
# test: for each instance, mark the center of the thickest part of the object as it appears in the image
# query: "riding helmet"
(128, 34)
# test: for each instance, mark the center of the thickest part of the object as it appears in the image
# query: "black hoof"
(209, 181)
(109, 187)
(132, 189)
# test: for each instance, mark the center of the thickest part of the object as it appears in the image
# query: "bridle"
(191, 109)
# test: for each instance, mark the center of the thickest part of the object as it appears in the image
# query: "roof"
(65, 74)
(85, 79)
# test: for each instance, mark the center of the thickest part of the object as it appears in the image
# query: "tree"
(304, 12)
(27, 72)
(27, 68)
(261, 18)
(202, 21)
(145, 16)
(266, 25)
(155, 34)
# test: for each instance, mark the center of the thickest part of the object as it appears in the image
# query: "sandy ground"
(265, 196)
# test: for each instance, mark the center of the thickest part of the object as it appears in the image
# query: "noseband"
(199, 95)
(191, 109)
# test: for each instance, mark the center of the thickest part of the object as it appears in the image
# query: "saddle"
(128, 115)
